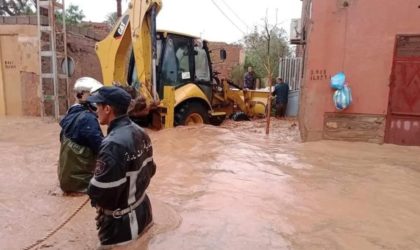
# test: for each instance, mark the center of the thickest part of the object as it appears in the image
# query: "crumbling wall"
(99, 30)
(235, 57)
(82, 50)
(30, 93)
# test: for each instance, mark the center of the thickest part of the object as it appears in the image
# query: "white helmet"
(87, 84)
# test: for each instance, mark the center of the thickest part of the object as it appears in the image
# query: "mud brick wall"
(82, 50)
(354, 127)
(30, 82)
(235, 56)
(97, 31)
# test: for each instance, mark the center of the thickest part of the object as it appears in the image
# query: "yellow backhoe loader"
(172, 71)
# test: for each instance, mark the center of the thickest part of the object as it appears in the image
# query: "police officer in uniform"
(124, 168)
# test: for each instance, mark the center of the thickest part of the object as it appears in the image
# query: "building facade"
(19, 70)
(376, 43)
(235, 57)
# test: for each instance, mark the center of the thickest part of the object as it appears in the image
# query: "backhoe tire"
(240, 116)
(192, 113)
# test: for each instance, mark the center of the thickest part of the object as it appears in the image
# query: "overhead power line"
(221, 11)
(237, 16)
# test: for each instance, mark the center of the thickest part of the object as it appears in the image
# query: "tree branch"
(5, 7)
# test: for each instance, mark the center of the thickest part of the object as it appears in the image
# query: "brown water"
(229, 187)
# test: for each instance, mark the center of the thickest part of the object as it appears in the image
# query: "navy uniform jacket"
(86, 131)
(80, 139)
(123, 171)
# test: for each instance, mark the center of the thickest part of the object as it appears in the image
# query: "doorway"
(403, 118)
(10, 87)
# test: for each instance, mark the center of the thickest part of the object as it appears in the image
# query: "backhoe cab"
(184, 68)
(171, 71)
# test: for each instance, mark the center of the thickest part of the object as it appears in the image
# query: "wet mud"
(228, 187)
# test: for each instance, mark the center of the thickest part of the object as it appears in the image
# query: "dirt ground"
(228, 187)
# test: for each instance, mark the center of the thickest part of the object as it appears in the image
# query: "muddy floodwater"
(229, 187)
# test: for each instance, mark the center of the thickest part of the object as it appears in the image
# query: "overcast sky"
(206, 18)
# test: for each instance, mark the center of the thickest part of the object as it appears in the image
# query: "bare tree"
(269, 68)
(256, 46)
(111, 19)
(265, 49)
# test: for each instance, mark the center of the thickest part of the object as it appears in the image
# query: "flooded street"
(229, 187)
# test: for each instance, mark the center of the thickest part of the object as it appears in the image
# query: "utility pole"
(119, 11)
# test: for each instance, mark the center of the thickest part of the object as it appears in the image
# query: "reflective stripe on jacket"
(122, 174)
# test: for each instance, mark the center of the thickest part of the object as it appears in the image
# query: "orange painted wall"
(18, 45)
(19, 67)
(359, 40)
